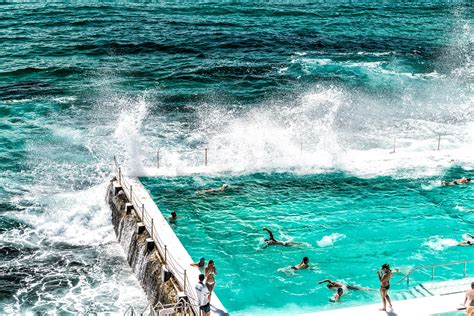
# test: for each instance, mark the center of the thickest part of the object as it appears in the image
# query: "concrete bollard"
(181, 296)
(128, 208)
(150, 244)
(117, 188)
(140, 228)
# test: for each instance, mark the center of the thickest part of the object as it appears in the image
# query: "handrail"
(141, 212)
(432, 267)
(204, 149)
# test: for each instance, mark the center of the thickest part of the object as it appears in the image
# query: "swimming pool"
(349, 227)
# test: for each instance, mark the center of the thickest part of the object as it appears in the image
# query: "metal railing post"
(166, 250)
(143, 213)
(205, 156)
(120, 176)
(152, 228)
(158, 158)
(394, 145)
(439, 140)
(131, 194)
(184, 286)
(432, 273)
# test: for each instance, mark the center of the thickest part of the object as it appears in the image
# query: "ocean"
(297, 105)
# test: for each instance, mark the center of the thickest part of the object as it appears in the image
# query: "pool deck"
(430, 305)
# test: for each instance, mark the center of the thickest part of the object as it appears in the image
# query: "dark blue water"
(300, 88)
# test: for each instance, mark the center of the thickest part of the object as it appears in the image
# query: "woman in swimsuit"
(384, 277)
(210, 272)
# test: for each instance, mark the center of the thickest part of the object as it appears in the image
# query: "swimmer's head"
(340, 291)
(202, 260)
(305, 259)
(173, 214)
(468, 179)
(225, 186)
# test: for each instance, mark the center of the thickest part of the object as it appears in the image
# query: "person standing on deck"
(204, 296)
(210, 272)
(469, 301)
(385, 274)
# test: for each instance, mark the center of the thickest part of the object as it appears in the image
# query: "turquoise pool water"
(349, 227)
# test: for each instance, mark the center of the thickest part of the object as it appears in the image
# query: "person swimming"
(302, 265)
(467, 242)
(272, 241)
(224, 187)
(200, 264)
(456, 182)
(173, 218)
(335, 285)
(336, 297)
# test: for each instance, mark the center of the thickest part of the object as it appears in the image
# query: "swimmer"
(458, 181)
(302, 265)
(335, 285)
(173, 217)
(224, 187)
(200, 264)
(466, 243)
(272, 241)
(336, 297)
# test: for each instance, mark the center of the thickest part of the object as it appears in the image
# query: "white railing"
(178, 271)
(202, 154)
(433, 267)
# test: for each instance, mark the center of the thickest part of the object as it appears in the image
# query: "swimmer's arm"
(269, 232)
(470, 235)
(380, 275)
(324, 281)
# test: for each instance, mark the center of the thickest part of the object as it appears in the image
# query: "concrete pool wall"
(152, 247)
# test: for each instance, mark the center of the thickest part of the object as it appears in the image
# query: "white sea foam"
(330, 240)
(324, 130)
(439, 244)
(128, 133)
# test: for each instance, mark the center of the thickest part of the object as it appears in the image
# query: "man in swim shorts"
(203, 295)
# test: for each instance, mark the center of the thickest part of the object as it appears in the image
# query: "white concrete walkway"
(424, 306)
